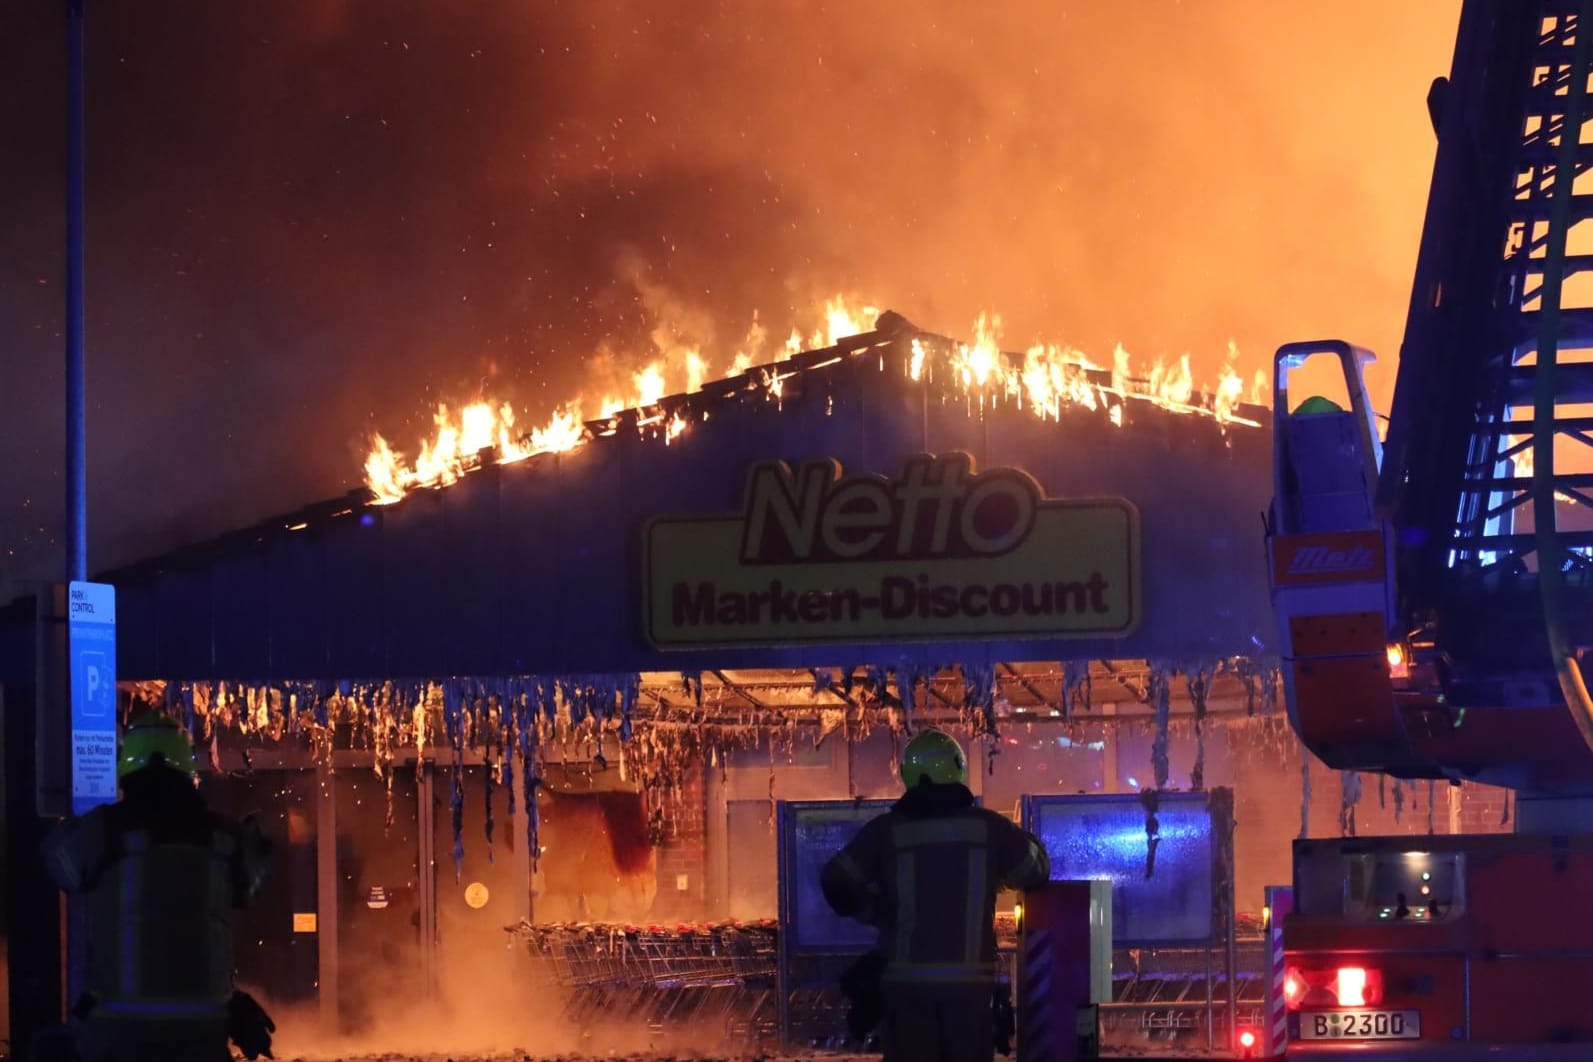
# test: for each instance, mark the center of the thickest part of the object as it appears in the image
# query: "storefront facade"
(739, 596)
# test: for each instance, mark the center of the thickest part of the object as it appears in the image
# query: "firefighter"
(926, 873)
(160, 875)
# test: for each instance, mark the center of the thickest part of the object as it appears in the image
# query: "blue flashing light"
(1110, 843)
(1129, 841)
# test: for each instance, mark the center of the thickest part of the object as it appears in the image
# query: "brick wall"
(1483, 810)
(1263, 766)
(1386, 808)
(683, 858)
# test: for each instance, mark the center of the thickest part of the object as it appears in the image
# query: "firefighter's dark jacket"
(927, 873)
(162, 875)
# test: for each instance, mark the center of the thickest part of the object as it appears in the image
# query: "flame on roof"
(1046, 379)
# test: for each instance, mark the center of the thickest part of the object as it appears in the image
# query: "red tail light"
(1334, 986)
(1350, 986)
(1294, 989)
(1358, 986)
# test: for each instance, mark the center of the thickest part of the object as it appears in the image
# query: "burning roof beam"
(1045, 379)
(829, 687)
(738, 690)
(1141, 694)
(1028, 686)
(934, 692)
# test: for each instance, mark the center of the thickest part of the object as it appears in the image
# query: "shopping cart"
(662, 978)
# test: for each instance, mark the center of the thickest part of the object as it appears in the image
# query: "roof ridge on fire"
(892, 332)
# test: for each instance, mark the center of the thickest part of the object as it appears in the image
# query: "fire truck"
(1434, 585)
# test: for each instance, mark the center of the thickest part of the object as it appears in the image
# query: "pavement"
(631, 1057)
(647, 1057)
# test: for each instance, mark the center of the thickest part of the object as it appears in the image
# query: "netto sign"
(937, 552)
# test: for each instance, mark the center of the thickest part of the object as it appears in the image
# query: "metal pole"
(1232, 966)
(427, 870)
(76, 490)
(785, 830)
(519, 832)
(326, 882)
(1211, 1015)
(74, 927)
(1109, 779)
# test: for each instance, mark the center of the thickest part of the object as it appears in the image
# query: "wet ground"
(631, 1057)
(664, 1056)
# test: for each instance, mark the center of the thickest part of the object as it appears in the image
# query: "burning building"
(561, 677)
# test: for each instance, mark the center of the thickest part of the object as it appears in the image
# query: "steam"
(487, 1002)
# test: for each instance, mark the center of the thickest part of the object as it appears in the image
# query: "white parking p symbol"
(97, 691)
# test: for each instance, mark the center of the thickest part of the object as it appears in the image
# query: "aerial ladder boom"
(1434, 589)
(1451, 649)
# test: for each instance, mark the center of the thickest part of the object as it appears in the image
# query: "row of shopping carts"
(721, 979)
(697, 977)
(1180, 995)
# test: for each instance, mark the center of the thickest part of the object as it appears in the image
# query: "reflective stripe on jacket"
(930, 882)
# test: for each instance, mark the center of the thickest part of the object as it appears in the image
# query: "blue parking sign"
(91, 650)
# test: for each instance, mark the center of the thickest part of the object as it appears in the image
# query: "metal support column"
(426, 865)
(716, 834)
(326, 871)
(978, 758)
(521, 847)
(1230, 904)
(1109, 781)
(1231, 961)
(1211, 1003)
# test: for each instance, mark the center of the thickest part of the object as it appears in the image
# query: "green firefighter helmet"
(152, 740)
(1317, 406)
(934, 756)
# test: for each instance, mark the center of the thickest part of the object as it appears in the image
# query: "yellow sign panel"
(476, 895)
(938, 552)
(304, 922)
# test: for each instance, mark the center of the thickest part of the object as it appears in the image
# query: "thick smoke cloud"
(310, 220)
